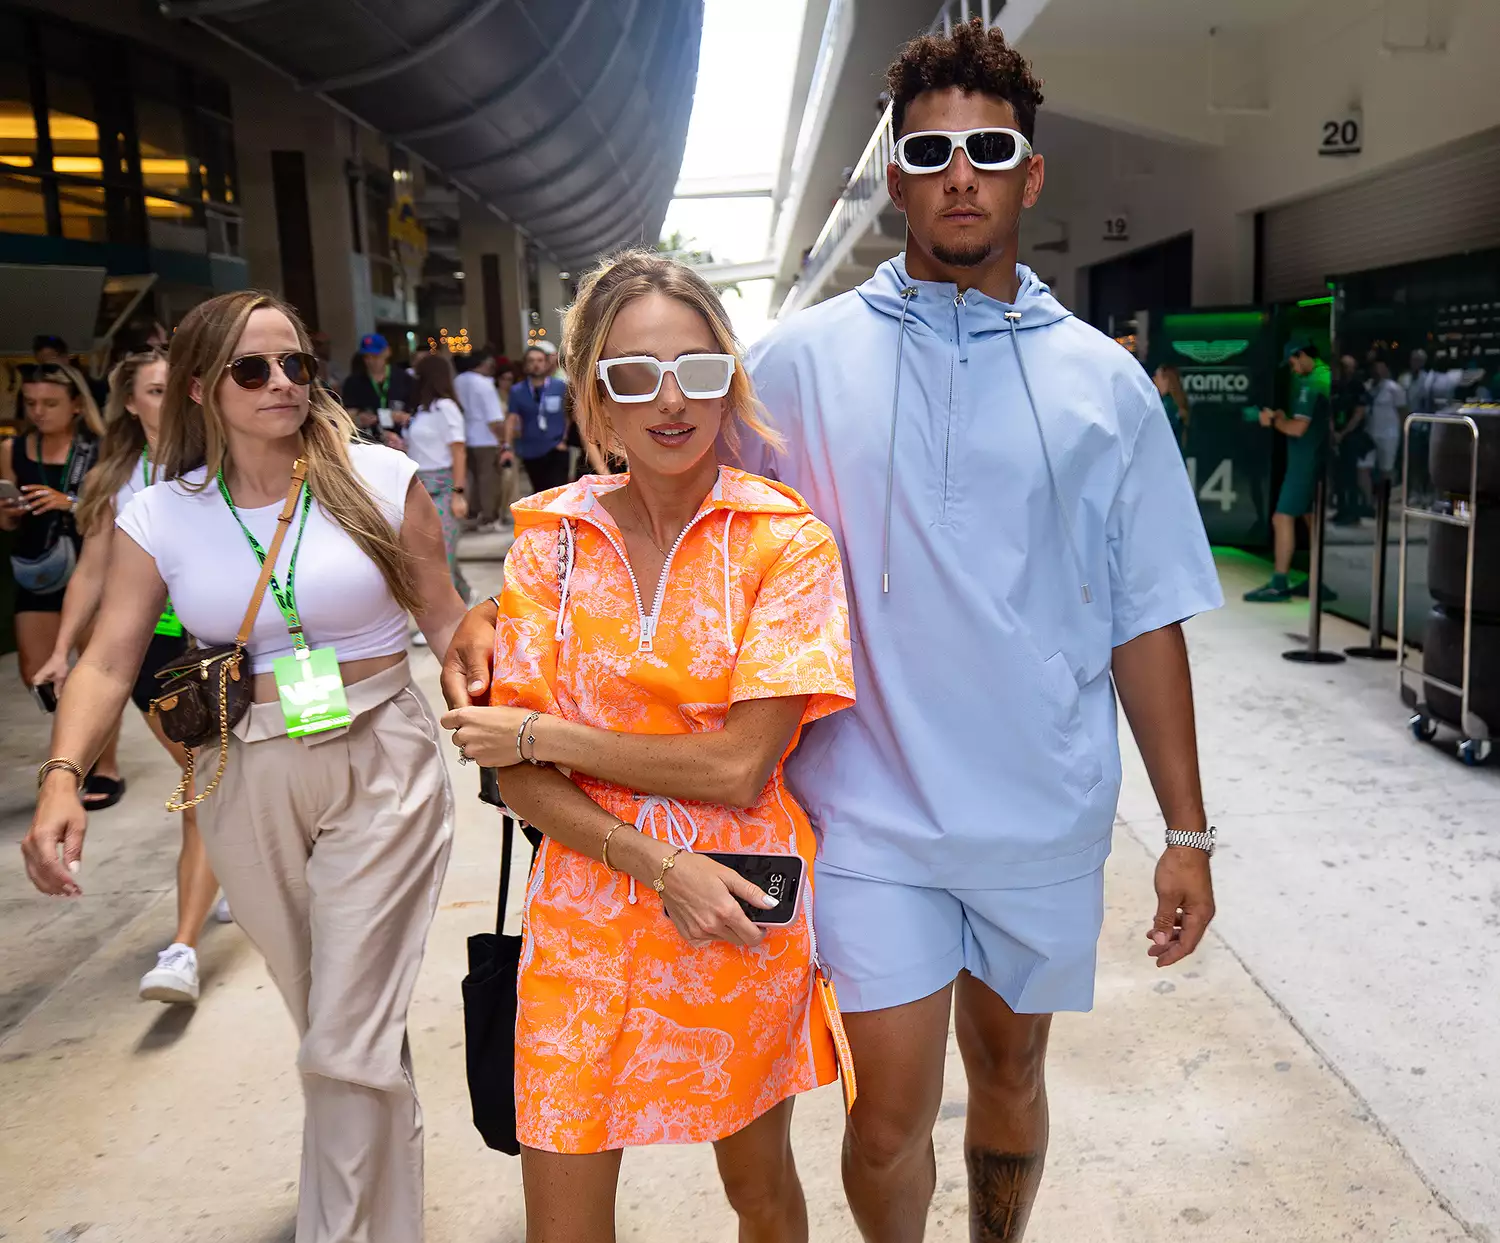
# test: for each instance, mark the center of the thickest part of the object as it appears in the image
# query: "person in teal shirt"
(1168, 381)
(1306, 430)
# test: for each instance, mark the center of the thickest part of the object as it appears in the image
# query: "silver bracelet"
(522, 736)
(1205, 841)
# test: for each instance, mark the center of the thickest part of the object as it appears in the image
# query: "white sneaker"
(419, 639)
(222, 913)
(175, 976)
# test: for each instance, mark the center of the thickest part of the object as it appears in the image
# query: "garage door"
(1441, 205)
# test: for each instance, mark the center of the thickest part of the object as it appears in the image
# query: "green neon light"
(1316, 302)
(1197, 320)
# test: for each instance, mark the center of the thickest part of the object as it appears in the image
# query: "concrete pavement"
(1321, 1070)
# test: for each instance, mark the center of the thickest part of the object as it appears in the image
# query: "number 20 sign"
(1344, 136)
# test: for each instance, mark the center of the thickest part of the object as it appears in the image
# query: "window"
(72, 122)
(83, 213)
(17, 117)
(102, 140)
(23, 205)
(165, 166)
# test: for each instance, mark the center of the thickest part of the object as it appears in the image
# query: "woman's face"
(51, 407)
(145, 398)
(668, 435)
(277, 410)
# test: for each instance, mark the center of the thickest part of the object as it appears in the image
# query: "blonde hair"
(192, 433)
(602, 294)
(89, 408)
(121, 445)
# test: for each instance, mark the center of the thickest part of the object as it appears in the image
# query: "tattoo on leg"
(1002, 1189)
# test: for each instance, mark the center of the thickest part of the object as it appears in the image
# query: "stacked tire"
(1451, 463)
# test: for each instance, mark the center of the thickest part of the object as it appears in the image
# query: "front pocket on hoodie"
(1083, 770)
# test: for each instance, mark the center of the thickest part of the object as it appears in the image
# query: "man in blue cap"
(1306, 430)
(374, 391)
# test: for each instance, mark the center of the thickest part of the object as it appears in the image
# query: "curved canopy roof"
(569, 116)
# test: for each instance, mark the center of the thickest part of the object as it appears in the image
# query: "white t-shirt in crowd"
(481, 403)
(135, 482)
(210, 570)
(1385, 410)
(432, 432)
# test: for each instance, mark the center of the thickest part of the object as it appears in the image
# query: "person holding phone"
(128, 464)
(42, 474)
(663, 635)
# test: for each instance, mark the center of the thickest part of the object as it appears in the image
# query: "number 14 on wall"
(1219, 486)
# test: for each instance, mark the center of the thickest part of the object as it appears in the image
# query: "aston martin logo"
(1210, 352)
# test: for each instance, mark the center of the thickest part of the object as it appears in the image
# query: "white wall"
(1342, 52)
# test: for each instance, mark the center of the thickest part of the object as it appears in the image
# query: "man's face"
(1347, 364)
(49, 355)
(962, 217)
(1302, 364)
(538, 363)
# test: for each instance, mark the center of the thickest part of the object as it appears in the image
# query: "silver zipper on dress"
(647, 620)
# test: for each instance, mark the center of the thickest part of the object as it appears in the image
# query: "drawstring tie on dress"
(681, 828)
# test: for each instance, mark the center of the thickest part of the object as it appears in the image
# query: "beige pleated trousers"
(331, 851)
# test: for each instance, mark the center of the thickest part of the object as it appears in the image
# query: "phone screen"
(778, 875)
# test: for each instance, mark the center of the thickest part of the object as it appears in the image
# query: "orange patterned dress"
(625, 1034)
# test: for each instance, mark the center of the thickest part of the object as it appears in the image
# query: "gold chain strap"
(175, 803)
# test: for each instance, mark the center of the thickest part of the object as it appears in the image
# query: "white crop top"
(210, 571)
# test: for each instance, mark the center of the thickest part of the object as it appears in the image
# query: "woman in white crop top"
(435, 441)
(330, 845)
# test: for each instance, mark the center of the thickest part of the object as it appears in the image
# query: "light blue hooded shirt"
(1011, 506)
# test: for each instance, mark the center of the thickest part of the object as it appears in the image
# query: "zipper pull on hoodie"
(907, 294)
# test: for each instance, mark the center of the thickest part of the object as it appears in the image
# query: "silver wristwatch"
(1198, 841)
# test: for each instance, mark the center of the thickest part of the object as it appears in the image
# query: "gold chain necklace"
(646, 524)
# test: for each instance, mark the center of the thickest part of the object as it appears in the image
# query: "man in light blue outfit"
(1016, 527)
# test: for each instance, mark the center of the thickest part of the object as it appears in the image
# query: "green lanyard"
(145, 466)
(383, 390)
(286, 600)
(169, 623)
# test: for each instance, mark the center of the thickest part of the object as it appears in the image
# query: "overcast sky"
(739, 116)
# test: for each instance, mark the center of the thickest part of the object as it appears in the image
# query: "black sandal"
(101, 792)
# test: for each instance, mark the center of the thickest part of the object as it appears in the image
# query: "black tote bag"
(490, 1009)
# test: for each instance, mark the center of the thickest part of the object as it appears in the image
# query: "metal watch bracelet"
(1205, 841)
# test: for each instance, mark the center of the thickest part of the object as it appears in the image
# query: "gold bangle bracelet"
(667, 865)
(604, 852)
(53, 765)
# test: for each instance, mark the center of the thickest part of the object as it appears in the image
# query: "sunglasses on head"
(639, 378)
(989, 150)
(48, 373)
(253, 371)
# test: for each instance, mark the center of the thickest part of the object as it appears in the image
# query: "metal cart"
(1475, 743)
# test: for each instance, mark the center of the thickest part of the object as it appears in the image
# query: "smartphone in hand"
(45, 695)
(780, 876)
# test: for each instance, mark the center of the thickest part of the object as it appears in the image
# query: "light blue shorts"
(888, 944)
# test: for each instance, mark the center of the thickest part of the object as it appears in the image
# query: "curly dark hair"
(972, 58)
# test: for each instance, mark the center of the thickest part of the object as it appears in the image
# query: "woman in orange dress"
(663, 636)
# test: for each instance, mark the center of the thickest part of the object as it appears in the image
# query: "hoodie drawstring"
(1012, 318)
(679, 834)
(728, 612)
(564, 574)
(907, 295)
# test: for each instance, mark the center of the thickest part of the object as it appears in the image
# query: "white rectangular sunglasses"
(990, 150)
(639, 378)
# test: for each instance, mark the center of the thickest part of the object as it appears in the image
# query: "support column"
(554, 299)
(265, 122)
(494, 278)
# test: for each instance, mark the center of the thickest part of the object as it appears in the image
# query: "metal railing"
(864, 195)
